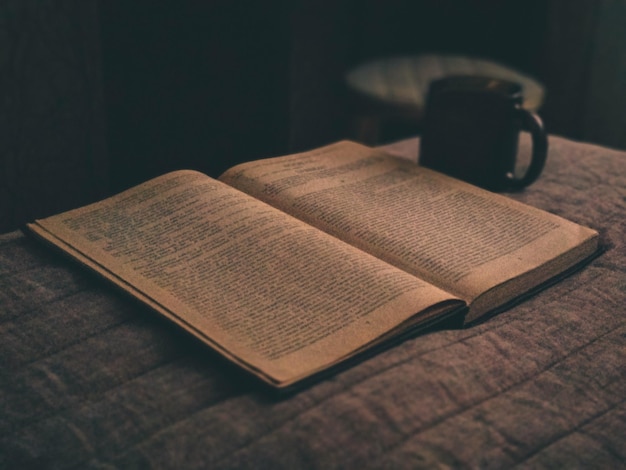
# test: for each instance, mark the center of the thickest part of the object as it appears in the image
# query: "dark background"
(99, 95)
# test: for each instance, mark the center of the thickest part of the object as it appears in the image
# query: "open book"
(291, 266)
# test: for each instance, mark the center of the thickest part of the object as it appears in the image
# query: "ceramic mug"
(471, 131)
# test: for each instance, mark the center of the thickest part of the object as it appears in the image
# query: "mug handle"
(532, 123)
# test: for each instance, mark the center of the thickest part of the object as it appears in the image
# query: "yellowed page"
(275, 295)
(457, 236)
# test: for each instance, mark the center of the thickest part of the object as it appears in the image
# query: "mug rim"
(477, 84)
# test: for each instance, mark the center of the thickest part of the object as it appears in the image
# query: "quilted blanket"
(89, 378)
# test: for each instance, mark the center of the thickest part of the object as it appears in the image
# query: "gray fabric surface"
(91, 379)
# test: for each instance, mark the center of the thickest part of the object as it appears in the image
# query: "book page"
(462, 238)
(277, 296)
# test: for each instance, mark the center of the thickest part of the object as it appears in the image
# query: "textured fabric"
(91, 379)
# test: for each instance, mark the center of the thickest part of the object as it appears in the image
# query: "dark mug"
(471, 131)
